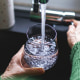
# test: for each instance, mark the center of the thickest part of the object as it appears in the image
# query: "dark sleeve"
(75, 61)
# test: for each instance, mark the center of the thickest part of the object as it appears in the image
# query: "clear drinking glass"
(34, 54)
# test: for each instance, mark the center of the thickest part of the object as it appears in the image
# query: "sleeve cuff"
(0, 77)
(74, 49)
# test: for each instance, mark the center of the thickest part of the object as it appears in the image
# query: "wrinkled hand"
(18, 67)
(73, 33)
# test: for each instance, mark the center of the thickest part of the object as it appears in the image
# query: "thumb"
(34, 71)
(76, 24)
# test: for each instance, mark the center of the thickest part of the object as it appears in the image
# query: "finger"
(71, 28)
(76, 23)
(68, 20)
(34, 71)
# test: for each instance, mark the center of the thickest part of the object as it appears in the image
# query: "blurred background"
(64, 5)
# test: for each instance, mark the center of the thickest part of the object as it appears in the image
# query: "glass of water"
(34, 54)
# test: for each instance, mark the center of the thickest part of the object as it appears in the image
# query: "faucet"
(36, 4)
(52, 16)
